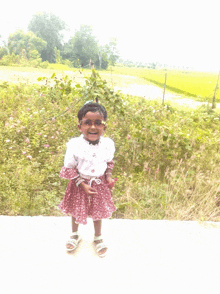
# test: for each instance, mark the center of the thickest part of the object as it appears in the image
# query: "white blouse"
(90, 160)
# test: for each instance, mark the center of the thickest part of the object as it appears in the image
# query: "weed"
(167, 159)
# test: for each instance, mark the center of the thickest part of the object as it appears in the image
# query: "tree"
(112, 51)
(48, 27)
(83, 46)
(20, 42)
(3, 48)
(101, 59)
(3, 51)
(57, 55)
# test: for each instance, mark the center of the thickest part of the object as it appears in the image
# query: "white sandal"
(100, 246)
(73, 242)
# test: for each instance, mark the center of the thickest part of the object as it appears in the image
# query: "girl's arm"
(108, 171)
(108, 174)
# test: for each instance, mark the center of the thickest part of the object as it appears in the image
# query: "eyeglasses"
(97, 123)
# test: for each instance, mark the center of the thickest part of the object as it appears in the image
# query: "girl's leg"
(98, 227)
(74, 229)
(74, 225)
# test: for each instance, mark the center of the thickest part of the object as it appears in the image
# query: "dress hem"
(85, 223)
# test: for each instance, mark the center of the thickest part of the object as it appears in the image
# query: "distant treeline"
(44, 40)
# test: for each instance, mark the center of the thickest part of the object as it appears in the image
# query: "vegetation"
(167, 159)
(21, 60)
(25, 43)
(45, 36)
(197, 85)
(48, 27)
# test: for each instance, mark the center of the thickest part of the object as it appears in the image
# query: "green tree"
(83, 46)
(101, 59)
(20, 42)
(112, 51)
(34, 54)
(57, 55)
(48, 27)
(3, 51)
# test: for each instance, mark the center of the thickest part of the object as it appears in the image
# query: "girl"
(88, 163)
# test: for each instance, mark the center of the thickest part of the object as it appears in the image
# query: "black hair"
(93, 107)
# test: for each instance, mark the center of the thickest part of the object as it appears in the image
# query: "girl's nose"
(93, 126)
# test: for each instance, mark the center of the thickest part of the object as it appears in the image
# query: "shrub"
(3, 51)
(167, 160)
(16, 60)
(9, 59)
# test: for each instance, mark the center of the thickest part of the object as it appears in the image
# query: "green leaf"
(41, 78)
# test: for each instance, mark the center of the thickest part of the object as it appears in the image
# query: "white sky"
(168, 31)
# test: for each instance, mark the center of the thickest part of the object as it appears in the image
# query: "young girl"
(88, 164)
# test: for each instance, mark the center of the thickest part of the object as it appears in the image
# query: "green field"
(197, 85)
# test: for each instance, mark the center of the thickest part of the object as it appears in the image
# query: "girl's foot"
(73, 242)
(101, 248)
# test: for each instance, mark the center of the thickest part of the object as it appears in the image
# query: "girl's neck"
(94, 142)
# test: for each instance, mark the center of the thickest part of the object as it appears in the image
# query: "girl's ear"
(79, 127)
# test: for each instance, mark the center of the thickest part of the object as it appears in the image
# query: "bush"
(16, 60)
(9, 59)
(166, 161)
(3, 51)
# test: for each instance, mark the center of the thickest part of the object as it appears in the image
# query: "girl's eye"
(98, 122)
(88, 122)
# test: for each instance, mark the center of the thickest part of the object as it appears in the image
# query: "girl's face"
(92, 126)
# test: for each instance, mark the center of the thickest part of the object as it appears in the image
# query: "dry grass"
(181, 197)
(193, 197)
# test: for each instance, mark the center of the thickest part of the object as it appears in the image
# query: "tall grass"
(179, 197)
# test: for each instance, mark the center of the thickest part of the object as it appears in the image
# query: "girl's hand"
(87, 189)
(111, 182)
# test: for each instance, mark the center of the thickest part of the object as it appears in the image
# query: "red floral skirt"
(80, 205)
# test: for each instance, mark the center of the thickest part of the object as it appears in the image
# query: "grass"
(167, 159)
(197, 85)
(174, 200)
(30, 75)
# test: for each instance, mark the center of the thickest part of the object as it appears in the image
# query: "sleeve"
(110, 150)
(110, 164)
(69, 170)
(70, 160)
(68, 173)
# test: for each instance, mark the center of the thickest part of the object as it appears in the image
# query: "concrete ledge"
(144, 256)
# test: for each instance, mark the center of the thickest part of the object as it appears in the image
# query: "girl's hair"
(93, 107)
